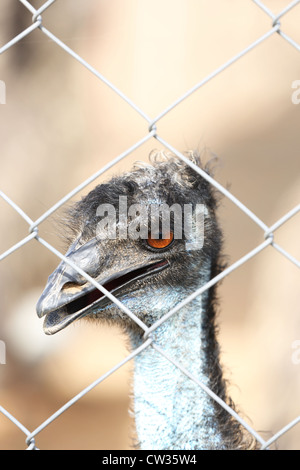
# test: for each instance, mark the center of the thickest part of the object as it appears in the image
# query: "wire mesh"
(267, 232)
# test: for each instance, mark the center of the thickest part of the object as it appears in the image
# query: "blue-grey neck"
(172, 411)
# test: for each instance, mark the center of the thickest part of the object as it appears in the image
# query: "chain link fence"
(268, 233)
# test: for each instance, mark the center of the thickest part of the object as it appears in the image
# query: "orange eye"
(160, 243)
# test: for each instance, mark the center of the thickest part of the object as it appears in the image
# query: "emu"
(150, 276)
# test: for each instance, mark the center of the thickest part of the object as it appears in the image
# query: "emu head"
(122, 241)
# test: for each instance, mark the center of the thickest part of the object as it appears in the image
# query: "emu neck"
(171, 411)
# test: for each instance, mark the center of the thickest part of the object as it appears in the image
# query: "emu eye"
(160, 243)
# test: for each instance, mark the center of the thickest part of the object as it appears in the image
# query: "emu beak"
(68, 296)
(65, 285)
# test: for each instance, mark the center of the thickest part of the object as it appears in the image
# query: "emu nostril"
(73, 287)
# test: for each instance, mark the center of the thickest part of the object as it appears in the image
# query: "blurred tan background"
(61, 124)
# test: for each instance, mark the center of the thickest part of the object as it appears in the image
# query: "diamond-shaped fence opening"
(146, 131)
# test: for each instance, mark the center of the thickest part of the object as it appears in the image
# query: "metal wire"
(267, 232)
